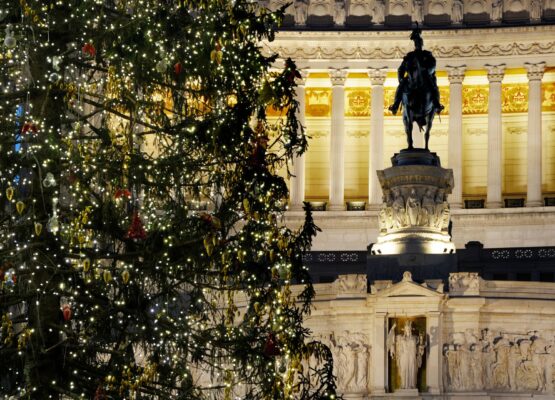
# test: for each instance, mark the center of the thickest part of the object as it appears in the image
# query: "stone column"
(495, 137)
(297, 183)
(379, 355)
(434, 362)
(337, 140)
(534, 191)
(455, 143)
(377, 78)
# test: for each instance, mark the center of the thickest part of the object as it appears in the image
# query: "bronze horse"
(417, 90)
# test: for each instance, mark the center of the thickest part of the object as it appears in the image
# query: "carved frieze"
(351, 284)
(499, 361)
(474, 11)
(414, 207)
(351, 356)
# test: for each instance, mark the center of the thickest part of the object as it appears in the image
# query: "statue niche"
(406, 345)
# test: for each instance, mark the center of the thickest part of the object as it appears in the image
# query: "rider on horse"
(417, 70)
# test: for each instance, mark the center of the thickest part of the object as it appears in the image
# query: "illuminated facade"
(496, 133)
(481, 318)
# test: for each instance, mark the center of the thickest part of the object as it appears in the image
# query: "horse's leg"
(408, 127)
(429, 121)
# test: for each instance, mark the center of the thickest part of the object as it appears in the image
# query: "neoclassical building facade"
(481, 320)
(497, 132)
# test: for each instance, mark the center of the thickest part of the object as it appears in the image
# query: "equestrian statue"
(417, 90)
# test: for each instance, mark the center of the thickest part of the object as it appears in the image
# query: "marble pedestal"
(415, 215)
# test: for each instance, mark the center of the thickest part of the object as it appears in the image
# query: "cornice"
(444, 44)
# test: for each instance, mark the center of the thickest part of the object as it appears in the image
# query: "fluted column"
(337, 140)
(456, 77)
(377, 78)
(534, 188)
(297, 185)
(495, 137)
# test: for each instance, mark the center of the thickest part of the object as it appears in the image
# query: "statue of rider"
(417, 69)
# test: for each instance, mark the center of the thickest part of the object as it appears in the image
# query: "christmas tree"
(142, 253)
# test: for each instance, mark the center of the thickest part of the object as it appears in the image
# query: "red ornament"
(66, 311)
(99, 394)
(122, 193)
(89, 49)
(271, 347)
(29, 127)
(178, 68)
(136, 229)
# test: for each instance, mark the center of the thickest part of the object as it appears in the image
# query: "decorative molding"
(345, 52)
(358, 134)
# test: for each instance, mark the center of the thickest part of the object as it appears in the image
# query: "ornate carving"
(457, 12)
(351, 284)
(424, 206)
(339, 13)
(515, 98)
(346, 52)
(338, 76)
(301, 12)
(535, 71)
(351, 360)
(318, 102)
(475, 99)
(506, 362)
(467, 283)
(455, 74)
(379, 11)
(358, 102)
(495, 72)
(321, 7)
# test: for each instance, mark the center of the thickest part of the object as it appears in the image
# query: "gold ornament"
(86, 265)
(9, 193)
(125, 276)
(38, 228)
(107, 276)
(20, 206)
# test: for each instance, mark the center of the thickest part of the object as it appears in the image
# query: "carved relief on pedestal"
(351, 356)
(505, 362)
(424, 206)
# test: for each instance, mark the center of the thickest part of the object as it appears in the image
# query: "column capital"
(455, 74)
(377, 75)
(338, 76)
(495, 72)
(535, 71)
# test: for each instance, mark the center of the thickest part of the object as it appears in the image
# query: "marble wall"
(489, 339)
